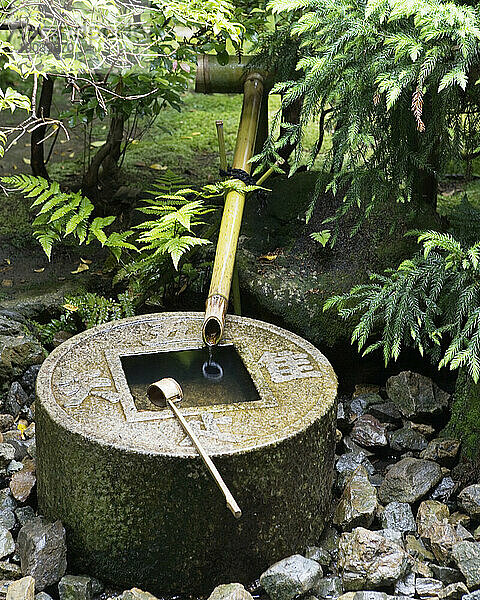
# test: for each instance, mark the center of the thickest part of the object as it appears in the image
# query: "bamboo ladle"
(168, 392)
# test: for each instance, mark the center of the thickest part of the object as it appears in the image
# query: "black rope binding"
(260, 195)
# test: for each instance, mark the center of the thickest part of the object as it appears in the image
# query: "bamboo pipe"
(212, 77)
(217, 301)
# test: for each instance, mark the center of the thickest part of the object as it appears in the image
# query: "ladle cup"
(168, 392)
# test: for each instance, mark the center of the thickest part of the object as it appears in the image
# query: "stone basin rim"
(61, 417)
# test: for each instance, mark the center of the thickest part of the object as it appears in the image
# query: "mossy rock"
(293, 286)
(464, 422)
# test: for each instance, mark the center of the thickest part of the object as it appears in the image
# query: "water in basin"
(221, 378)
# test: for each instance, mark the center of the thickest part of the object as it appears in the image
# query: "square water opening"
(206, 381)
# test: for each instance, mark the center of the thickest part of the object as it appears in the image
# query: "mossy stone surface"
(138, 505)
(293, 287)
(464, 421)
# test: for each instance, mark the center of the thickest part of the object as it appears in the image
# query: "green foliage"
(167, 184)
(85, 311)
(176, 215)
(322, 237)
(431, 302)
(126, 60)
(62, 214)
(10, 100)
(464, 221)
(169, 261)
(395, 81)
(169, 231)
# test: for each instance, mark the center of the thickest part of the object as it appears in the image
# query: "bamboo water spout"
(217, 301)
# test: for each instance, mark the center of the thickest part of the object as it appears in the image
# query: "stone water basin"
(139, 507)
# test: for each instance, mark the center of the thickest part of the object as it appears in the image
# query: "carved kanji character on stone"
(286, 366)
(76, 387)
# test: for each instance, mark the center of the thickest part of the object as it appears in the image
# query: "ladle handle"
(231, 503)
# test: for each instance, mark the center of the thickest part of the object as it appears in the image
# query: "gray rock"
(444, 490)
(429, 512)
(97, 586)
(7, 500)
(386, 412)
(9, 570)
(31, 448)
(14, 466)
(75, 587)
(427, 587)
(443, 538)
(409, 480)
(454, 591)
(290, 577)
(43, 596)
(472, 596)
(16, 399)
(442, 450)
(40, 305)
(7, 545)
(25, 514)
(7, 518)
(17, 353)
(369, 595)
(329, 587)
(406, 438)
(360, 404)
(20, 447)
(136, 594)
(446, 574)
(42, 550)
(329, 541)
(406, 585)
(463, 533)
(467, 557)
(348, 463)
(416, 548)
(358, 503)
(29, 379)
(469, 500)
(399, 516)
(320, 555)
(23, 589)
(393, 535)
(6, 422)
(357, 406)
(342, 421)
(367, 560)
(351, 446)
(416, 396)
(7, 453)
(230, 591)
(10, 326)
(369, 432)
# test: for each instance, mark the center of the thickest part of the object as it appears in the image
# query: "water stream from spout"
(211, 369)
